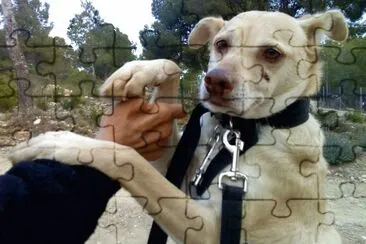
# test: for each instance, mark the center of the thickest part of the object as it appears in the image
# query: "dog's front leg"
(182, 218)
(130, 80)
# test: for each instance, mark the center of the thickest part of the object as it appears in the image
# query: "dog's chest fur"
(285, 164)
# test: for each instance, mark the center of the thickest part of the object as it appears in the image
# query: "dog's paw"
(69, 148)
(131, 79)
(63, 146)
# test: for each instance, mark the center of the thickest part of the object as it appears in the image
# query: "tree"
(102, 47)
(34, 28)
(32, 15)
(111, 48)
(16, 55)
(167, 37)
(50, 61)
(82, 23)
(344, 71)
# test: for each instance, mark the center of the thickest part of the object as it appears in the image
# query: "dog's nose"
(217, 82)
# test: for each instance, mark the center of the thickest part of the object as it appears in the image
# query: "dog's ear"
(331, 23)
(204, 31)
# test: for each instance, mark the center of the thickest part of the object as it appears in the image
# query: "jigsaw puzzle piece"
(285, 216)
(106, 45)
(338, 149)
(72, 108)
(104, 234)
(328, 226)
(360, 191)
(38, 52)
(351, 53)
(351, 201)
(126, 215)
(54, 69)
(192, 222)
(7, 88)
(157, 134)
(353, 189)
(11, 134)
(86, 157)
(347, 86)
(132, 226)
(329, 119)
(77, 111)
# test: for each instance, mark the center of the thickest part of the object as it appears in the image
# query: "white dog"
(260, 64)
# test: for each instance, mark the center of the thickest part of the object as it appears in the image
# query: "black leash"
(231, 214)
(294, 115)
(179, 163)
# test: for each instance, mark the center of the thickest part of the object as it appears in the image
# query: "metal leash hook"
(234, 174)
(217, 145)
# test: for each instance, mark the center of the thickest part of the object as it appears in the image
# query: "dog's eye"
(271, 54)
(221, 45)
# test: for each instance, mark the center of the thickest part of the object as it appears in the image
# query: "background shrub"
(72, 102)
(338, 148)
(355, 117)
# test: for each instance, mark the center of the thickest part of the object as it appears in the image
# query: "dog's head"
(261, 62)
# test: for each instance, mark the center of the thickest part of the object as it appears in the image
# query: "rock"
(37, 121)
(22, 135)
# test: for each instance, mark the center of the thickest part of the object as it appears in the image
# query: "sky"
(129, 16)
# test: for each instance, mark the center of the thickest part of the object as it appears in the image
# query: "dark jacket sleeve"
(44, 201)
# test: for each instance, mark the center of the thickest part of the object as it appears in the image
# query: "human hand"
(142, 126)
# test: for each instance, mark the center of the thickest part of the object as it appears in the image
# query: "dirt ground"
(124, 221)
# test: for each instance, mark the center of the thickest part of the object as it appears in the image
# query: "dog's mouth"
(219, 101)
(235, 103)
(233, 106)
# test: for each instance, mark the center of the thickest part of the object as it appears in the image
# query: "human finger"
(152, 156)
(156, 146)
(155, 135)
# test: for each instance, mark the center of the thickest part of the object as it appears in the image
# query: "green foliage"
(8, 98)
(102, 47)
(32, 15)
(328, 120)
(72, 102)
(191, 80)
(32, 20)
(338, 148)
(94, 116)
(343, 140)
(82, 23)
(339, 76)
(107, 59)
(7, 103)
(69, 69)
(46, 65)
(362, 142)
(355, 117)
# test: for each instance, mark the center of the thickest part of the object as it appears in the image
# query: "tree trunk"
(25, 102)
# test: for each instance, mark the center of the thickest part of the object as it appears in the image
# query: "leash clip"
(234, 174)
(216, 146)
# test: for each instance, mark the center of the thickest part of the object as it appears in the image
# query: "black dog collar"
(294, 115)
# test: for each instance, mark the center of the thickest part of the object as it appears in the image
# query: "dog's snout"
(217, 82)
